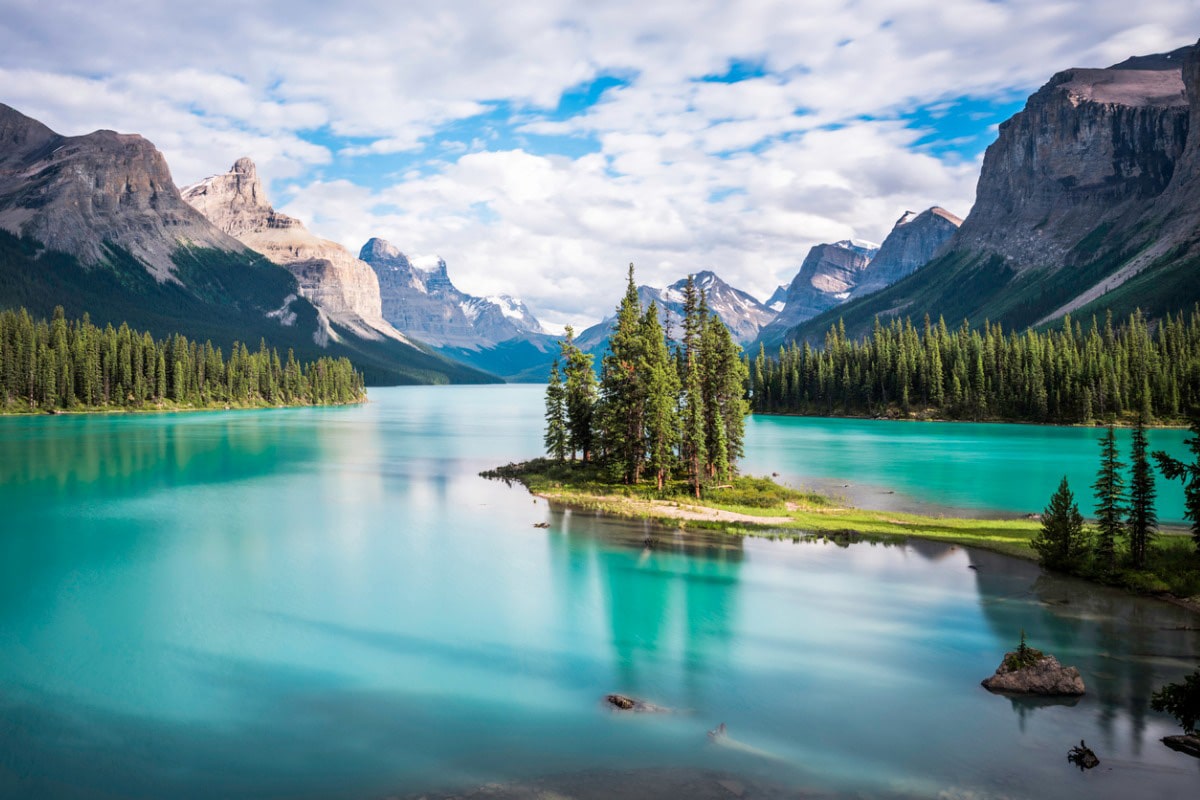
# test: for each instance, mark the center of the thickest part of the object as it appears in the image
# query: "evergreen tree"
(1143, 521)
(556, 415)
(623, 389)
(1110, 502)
(1174, 469)
(662, 399)
(580, 391)
(1062, 543)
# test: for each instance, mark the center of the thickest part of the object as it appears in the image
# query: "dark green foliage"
(656, 412)
(556, 416)
(220, 296)
(1024, 656)
(580, 396)
(1174, 469)
(1110, 503)
(1143, 521)
(61, 365)
(1061, 376)
(1181, 700)
(1062, 542)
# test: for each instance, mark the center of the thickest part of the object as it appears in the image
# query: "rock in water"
(626, 703)
(1044, 677)
(1188, 743)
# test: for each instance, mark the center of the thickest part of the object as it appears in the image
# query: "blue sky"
(541, 147)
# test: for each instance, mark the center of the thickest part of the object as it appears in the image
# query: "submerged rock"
(626, 703)
(1045, 677)
(1186, 743)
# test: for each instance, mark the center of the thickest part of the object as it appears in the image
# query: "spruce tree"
(1143, 521)
(662, 399)
(556, 416)
(1110, 503)
(1174, 469)
(580, 396)
(1062, 543)
(621, 409)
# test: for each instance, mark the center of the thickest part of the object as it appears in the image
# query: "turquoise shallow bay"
(330, 603)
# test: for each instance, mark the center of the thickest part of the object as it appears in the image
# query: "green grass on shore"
(761, 507)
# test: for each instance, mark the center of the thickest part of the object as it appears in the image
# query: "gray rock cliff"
(338, 284)
(78, 194)
(426, 305)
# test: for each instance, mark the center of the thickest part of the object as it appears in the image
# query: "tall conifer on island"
(580, 390)
(1142, 519)
(662, 398)
(1110, 499)
(1062, 543)
(623, 389)
(556, 416)
(1174, 469)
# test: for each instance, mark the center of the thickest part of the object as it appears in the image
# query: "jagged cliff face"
(1089, 200)
(913, 242)
(1090, 145)
(827, 278)
(341, 286)
(77, 194)
(426, 305)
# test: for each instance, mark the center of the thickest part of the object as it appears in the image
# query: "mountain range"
(96, 224)
(1089, 200)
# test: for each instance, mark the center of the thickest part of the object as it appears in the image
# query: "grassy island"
(751, 506)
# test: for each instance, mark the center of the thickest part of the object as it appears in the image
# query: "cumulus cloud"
(362, 117)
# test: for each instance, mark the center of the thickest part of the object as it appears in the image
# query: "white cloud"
(314, 92)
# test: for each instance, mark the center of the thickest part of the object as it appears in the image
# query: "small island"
(1030, 671)
(659, 434)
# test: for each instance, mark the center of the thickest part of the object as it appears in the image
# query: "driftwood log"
(1083, 757)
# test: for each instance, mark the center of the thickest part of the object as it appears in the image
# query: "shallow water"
(331, 603)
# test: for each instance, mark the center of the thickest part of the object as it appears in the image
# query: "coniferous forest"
(77, 366)
(656, 412)
(1071, 374)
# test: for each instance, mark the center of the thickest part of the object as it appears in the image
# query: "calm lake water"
(330, 603)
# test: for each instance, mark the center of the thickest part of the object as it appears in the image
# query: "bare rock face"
(338, 284)
(79, 193)
(1089, 145)
(826, 279)
(424, 303)
(1045, 677)
(913, 242)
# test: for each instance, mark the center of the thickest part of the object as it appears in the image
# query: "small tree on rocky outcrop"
(1062, 542)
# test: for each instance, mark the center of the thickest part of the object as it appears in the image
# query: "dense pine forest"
(77, 366)
(1063, 375)
(655, 413)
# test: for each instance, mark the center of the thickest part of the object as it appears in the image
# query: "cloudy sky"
(541, 146)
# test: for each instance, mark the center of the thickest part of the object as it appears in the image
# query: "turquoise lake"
(331, 603)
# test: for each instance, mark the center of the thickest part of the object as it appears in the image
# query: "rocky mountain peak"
(339, 284)
(420, 299)
(378, 250)
(81, 194)
(913, 242)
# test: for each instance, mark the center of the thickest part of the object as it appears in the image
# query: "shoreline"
(678, 515)
(107, 410)
(1166, 426)
(789, 513)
